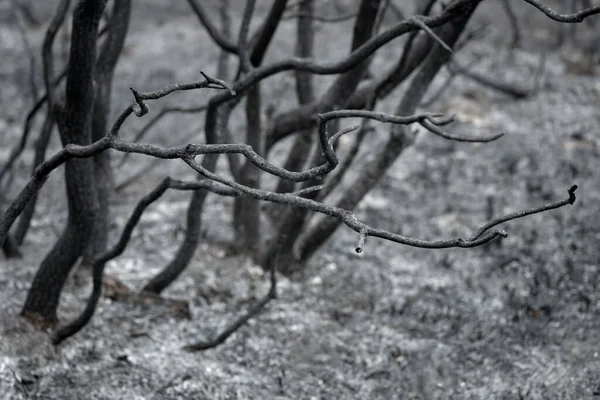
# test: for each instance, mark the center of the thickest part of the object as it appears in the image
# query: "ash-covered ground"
(512, 320)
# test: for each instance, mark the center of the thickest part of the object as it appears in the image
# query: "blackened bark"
(246, 210)
(293, 220)
(10, 248)
(44, 138)
(216, 122)
(400, 137)
(246, 213)
(74, 122)
(118, 25)
(267, 31)
(217, 117)
(41, 145)
(340, 91)
(301, 118)
(305, 38)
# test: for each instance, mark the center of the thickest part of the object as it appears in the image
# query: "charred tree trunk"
(246, 211)
(217, 117)
(400, 137)
(74, 122)
(103, 176)
(293, 220)
(305, 38)
(216, 122)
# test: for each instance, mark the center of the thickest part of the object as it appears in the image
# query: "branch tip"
(572, 197)
(218, 83)
(140, 108)
(361, 241)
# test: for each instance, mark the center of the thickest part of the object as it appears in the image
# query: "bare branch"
(71, 151)
(100, 261)
(431, 33)
(225, 43)
(243, 48)
(252, 312)
(453, 10)
(267, 32)
(188, 152)
(55, 24)
(210, 83)
(164, 111)
(319, 18)
(520, 214)
(411, 58)
(147, 168)
(431, 127)
(350, 220)
(569, 18)
(429, 121)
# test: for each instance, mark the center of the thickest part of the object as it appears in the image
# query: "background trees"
(293, 233)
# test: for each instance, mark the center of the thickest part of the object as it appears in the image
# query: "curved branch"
(50, 84)
(223, 42)
(100, 261)
(111, 141)
(453, 10)
(164, 111)
(17, 150)
(427, 124)
(482, 236)
(243, 50)
(569, 18)
(520, 214)
(47, 61)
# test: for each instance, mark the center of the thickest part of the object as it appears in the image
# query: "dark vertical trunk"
(246, 212)
(305, 38)
(400, 137)
(293, 220)
(103, 176)
(217, 118)
(216, 122)
(74, 122)
(246, 209)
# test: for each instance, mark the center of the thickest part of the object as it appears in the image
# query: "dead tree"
(74, 123)
(308, 177)
(80, 120)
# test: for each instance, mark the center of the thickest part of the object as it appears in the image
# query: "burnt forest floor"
(510, 320)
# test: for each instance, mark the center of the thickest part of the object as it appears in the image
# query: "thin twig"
(164, 111)
(319, 18)
(569, 18)
(350, 220)
(251, 313)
